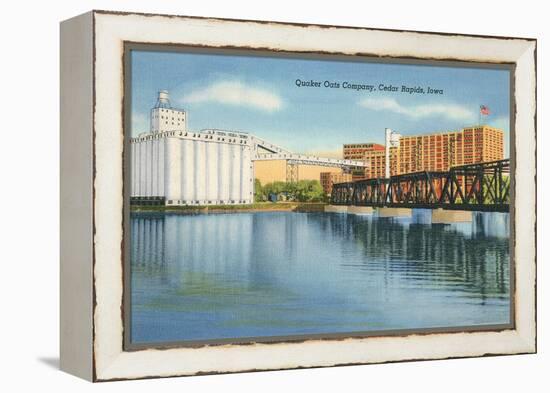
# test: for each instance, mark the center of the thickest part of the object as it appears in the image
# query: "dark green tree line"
(300, 191)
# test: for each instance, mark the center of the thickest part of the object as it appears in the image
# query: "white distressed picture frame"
(92, 142)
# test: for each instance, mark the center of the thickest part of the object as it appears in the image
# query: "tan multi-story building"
(438, 152)
(372, 153)
(394, 161)
(376, 160)
(270, 171)
(328, 179)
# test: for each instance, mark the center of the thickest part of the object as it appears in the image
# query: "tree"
(258, 191)
(301, 191)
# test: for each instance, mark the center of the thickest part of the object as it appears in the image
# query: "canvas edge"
(523, 339)
(302, 24)
(76, 204)
(526, 180)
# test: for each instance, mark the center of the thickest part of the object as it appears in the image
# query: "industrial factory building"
(428, 152)
(328, 179)
(372, 153)
(172, 165)
(439, 152)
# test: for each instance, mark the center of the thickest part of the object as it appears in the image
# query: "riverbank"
(299, 207)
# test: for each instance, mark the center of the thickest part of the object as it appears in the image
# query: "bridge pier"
(394, 212)
(360, 209)
(442, 216)
(336, 209)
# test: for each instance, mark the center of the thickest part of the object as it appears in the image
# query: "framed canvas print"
(246, 195)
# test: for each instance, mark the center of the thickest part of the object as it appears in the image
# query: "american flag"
(484, 110)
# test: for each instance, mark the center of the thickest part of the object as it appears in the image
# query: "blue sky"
(259, 95)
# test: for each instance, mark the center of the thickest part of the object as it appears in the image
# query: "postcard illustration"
(279, 197)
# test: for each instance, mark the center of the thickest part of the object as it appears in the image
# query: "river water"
(270, 274)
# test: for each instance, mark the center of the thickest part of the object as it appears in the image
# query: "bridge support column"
(291, 172)
(394, 212)
(442, 216)
(360, 210)
(336, 209)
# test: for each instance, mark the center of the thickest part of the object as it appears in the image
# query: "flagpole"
(479, 116)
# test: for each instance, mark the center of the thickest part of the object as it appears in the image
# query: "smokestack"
(388, 143)
(392, 140)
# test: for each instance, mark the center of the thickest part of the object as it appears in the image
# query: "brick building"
(439, 152)
(372, 153)
(436, 152)
(328, 179)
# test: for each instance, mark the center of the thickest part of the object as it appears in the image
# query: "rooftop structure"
(165, 118)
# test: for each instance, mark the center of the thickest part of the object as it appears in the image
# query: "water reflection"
(272, 274)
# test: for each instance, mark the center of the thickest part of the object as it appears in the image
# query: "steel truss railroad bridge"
(474, 187)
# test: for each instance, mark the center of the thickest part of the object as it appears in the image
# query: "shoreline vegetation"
(302, 196)
(280, 191)
(298, 207)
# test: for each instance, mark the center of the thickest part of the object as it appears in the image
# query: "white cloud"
(237, 93)
(452, 111)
